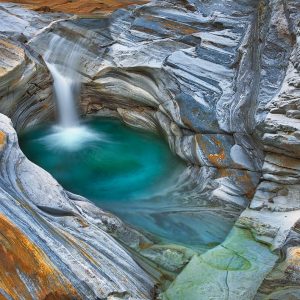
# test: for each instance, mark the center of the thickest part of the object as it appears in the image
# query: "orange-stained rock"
(2, 139)
(173, 25)
(81, 7)
(20, 258)
(216, 158)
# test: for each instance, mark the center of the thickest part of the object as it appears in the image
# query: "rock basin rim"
(222, 85)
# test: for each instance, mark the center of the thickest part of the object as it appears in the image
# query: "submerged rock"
(233, 270)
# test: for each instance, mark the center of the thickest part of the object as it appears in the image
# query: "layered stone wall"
(220, 79)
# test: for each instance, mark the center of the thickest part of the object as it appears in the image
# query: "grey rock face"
(25, 87)
(220, 80)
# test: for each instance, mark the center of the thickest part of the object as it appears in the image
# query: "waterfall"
(62, 60)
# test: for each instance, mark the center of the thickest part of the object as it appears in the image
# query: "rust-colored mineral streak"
(22, 264)
(80, 7)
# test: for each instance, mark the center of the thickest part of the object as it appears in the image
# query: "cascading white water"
(62, 60)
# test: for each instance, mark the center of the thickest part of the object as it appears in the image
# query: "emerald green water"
(130, 173)
(110, 161)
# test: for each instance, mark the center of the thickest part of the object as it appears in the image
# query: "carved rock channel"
(222, 83)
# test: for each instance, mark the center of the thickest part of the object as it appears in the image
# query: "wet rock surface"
(220, 80)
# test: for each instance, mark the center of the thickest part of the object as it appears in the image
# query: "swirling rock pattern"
(220, 79)
(50, 247)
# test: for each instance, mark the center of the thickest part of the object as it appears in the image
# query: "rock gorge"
(220, 80)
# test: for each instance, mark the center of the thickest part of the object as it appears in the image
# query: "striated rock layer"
(220, 80)
(81, 7)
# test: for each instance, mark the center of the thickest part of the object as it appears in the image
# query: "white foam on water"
(71, 138)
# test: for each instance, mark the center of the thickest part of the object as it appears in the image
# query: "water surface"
(130, 173)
